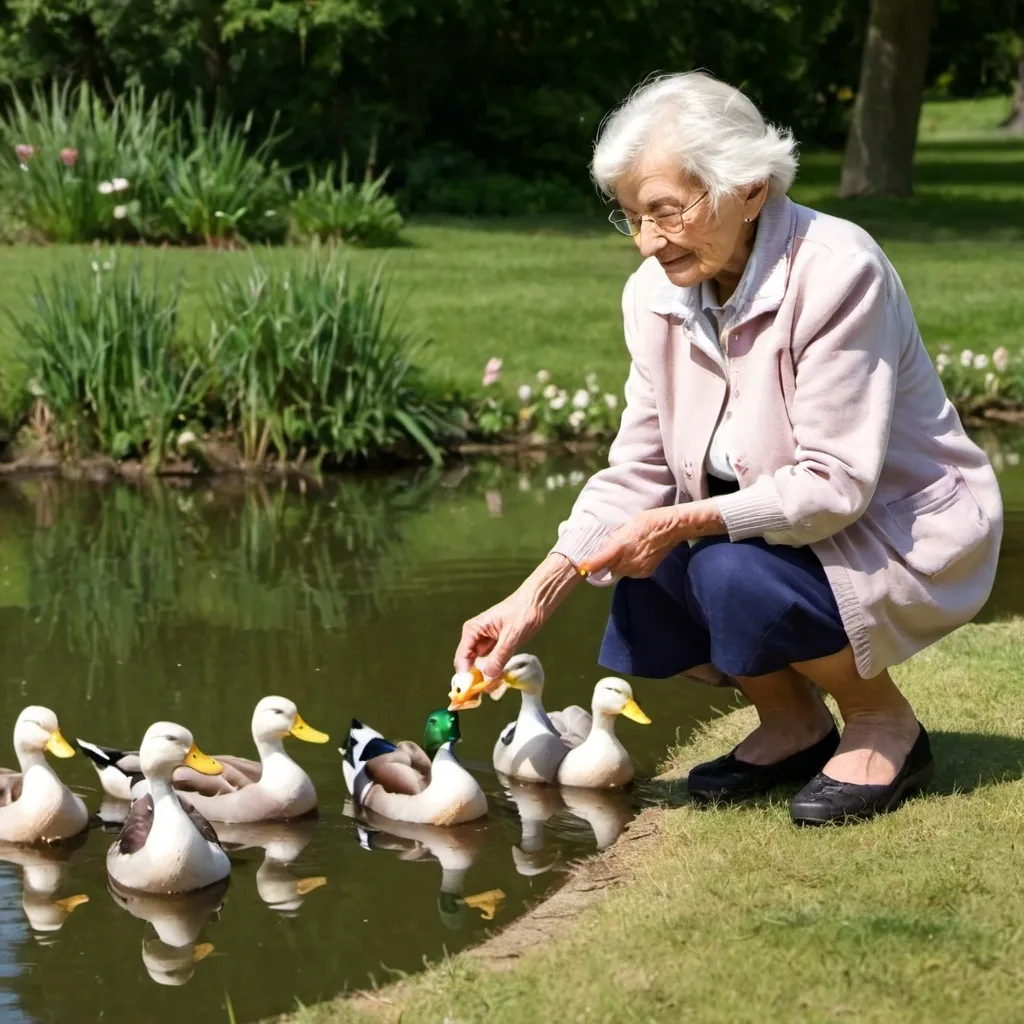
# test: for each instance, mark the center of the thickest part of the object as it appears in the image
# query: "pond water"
(120, 606)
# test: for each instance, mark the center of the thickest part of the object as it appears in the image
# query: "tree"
(880, 147)
(1015, 122)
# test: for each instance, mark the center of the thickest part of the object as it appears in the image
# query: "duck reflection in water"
(170, 951)
(455, 848)
(282, 843)
(43, 869)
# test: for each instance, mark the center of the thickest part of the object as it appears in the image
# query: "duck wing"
(242, 770)
(238, 772)
(137, 826)
(204, 828)
(572, 724)
(362, 745)
(395, 771)
(10, 786)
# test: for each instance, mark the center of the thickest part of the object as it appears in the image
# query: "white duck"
(535, 746)
(401, 782)
(274, 788)
(535, 805)
(34, 804)
(165, 847)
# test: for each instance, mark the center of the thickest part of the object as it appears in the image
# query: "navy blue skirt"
(747, 607)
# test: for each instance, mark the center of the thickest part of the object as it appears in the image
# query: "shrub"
(103, 360)
(310, 360)
(75, 168)
(214, 188)
(334, 208)
(502, 195)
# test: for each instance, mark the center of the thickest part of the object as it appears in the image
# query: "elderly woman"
(791, 501)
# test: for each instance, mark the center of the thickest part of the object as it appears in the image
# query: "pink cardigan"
(842, 436)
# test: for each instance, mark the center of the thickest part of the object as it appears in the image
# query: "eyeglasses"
(670, 223)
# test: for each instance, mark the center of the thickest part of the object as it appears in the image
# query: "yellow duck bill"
(633, 712)
(202, 763)
(58, 746)
(303, 731)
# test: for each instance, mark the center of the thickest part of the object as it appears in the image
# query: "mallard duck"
(274, 788)
(165, 846)
(171, 955)
(455, 848)
(34, 804)
(42, 876)
(401, 782)
(282, 842)
(536, 747)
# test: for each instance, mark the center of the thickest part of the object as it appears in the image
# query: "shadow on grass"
(964, 762)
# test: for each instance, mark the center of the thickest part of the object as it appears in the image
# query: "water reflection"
(455, 849)
(43, 875)
(282, 843)
(170, 950)
(535, 805)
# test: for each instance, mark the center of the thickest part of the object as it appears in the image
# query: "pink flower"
(25, 152)
(69, 157)
(492, 371)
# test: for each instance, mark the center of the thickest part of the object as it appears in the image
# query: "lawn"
(545, 293)
(732, 915)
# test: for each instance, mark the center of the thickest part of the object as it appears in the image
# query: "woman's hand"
(501, 631)
(639, 546)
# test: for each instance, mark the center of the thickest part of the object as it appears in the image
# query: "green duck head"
(442, 726)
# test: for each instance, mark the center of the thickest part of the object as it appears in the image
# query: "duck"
(536, 747)
(455, 848)
(171, 954)
(43, 870)
(282, 843)
(274, 788)
(405, 782)
(165, 846)
(35, 806)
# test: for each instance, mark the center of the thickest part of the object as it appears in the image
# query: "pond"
(120, 606)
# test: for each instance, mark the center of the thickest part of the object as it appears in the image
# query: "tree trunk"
(879, 154)
(1015, 122)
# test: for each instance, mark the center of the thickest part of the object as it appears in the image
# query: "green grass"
(545, 294)
(732, 915)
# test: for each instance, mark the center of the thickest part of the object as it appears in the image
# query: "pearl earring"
(747, 220)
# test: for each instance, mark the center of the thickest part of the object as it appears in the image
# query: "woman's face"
(710, 244)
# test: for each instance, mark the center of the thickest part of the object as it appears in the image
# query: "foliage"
(312, 360)
(103, 360)
(80, 168)
(332, 207)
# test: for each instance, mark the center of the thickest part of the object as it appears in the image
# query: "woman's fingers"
(476, 641)
(503, 650)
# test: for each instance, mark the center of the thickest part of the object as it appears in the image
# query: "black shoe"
(728, 778)
(825, 800)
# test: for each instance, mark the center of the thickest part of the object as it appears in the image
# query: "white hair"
(715, 132)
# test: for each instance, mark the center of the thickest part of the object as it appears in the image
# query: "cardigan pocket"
(935, 527)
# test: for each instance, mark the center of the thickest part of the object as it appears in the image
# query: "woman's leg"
(880, 725)
(793, 716)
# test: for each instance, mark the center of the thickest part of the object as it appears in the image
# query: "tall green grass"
(311, 360)
(102, 355)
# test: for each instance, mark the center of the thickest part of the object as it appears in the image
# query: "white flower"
(945, 347)
(95, 266)
(105, 188)
(550, 391)
(990, 381)
(186, 437)
(525, 393)
(550, 483)
(581, 399)
(218, 214)
(560, 480)
(611, 400)
(118, 184)
(980, 362)
(558, 402)
(1001, 359)
(576, 477)
(1012, 458)
(120, 212)
(591, 382)
(524, 482)
(942, 361)
(577, 418)
(108, 265)
(543, 376)
(966, 357)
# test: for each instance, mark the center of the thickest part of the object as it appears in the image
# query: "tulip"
(69, 157)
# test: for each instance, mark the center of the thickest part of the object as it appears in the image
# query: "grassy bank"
(545, 293)
(734, 915)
